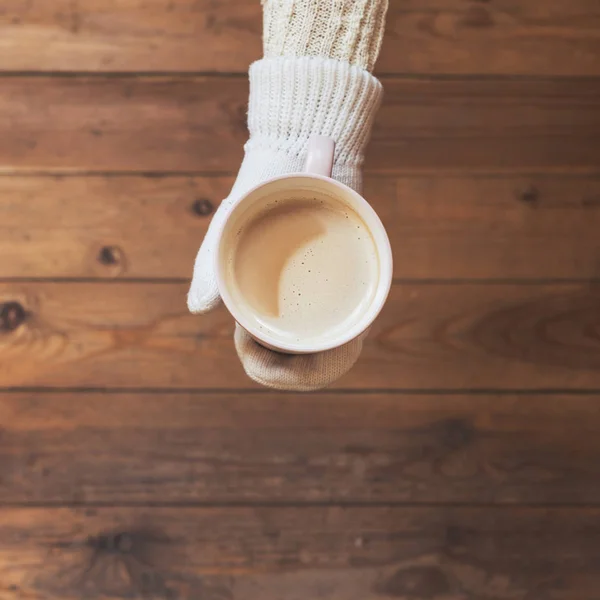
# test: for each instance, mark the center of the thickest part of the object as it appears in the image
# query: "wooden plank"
(105, 227)
(292, 553)
(540, 226)
(58, 448)
(460, 336)
(507, 37)
(130, 35)
(504, 37)
(197, 124)
(156, 124)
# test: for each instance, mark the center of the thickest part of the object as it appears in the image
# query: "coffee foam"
(303, 268)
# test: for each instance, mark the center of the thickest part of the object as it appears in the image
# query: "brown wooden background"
(459, 460)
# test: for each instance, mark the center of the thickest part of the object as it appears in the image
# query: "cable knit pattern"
(346, 30)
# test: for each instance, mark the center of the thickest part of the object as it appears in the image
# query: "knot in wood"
(110, 255)
(12, 314)
(530, 195)
(202, 207)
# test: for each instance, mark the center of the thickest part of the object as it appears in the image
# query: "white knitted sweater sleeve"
(347, 30)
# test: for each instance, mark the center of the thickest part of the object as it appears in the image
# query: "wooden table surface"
(459, 460)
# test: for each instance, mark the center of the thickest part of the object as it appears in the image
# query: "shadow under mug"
(316, 178)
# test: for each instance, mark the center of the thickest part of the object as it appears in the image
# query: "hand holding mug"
(304, 265)
(290, 99)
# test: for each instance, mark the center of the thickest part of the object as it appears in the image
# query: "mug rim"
(384, 252)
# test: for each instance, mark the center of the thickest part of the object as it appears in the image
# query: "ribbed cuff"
(294, 98)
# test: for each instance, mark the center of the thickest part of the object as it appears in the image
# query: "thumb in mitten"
(296, 372)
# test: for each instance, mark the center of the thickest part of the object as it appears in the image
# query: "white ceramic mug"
(315, 178)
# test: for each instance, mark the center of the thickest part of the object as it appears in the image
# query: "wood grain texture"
(136, 458)
(156, 124)
(370, 448)
(441, 227)
(461, 336)
(197, 124)
(130, 35)
(128, 227)
(505, 37)
(296, 553)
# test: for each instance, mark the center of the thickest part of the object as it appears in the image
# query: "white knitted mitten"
(292, 99)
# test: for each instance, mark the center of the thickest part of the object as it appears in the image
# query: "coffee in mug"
(303, 262)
